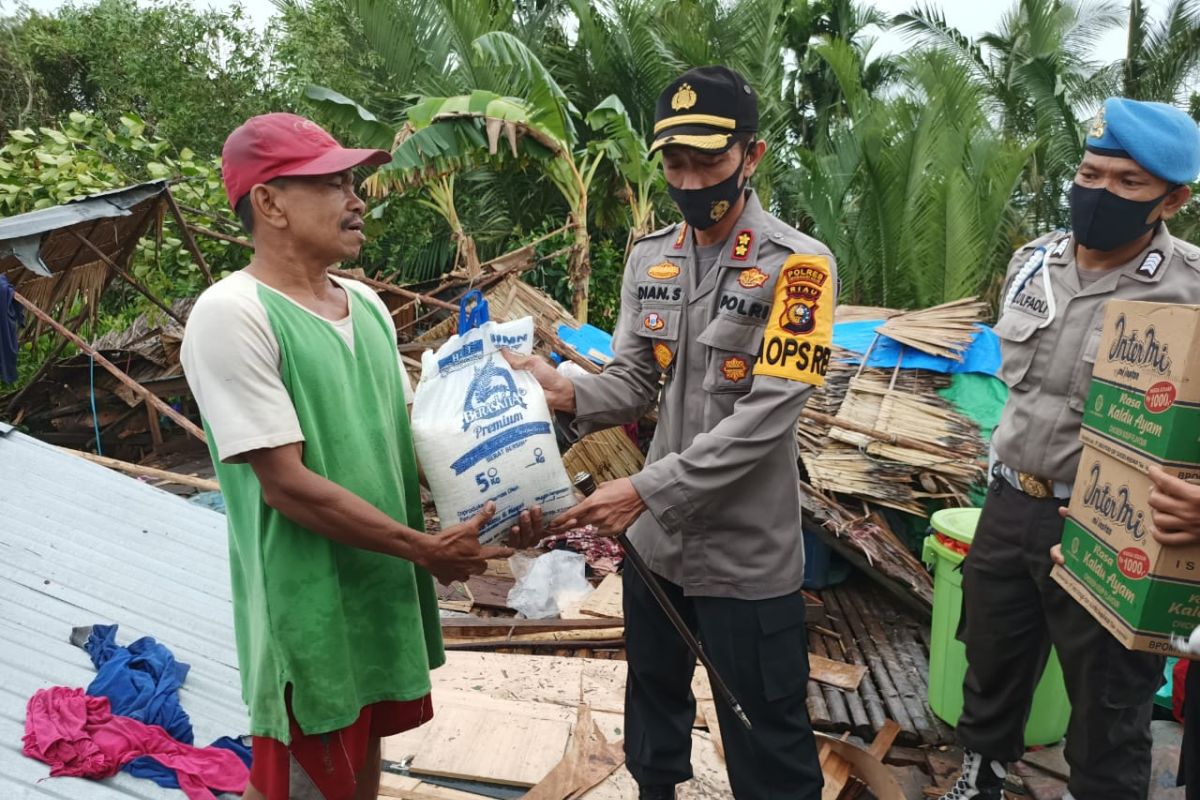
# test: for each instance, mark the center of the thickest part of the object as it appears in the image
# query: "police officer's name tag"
(799, 334)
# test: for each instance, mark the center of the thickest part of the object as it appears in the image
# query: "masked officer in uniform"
(735, 308)
(1139, 159)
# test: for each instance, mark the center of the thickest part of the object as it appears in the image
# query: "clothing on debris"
(79, 736)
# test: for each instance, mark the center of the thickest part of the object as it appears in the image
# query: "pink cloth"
(78, 736)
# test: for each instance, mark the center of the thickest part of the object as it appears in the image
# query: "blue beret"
(1162, 139)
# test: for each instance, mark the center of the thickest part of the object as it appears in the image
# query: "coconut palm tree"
(914, 194)
(1041, 81)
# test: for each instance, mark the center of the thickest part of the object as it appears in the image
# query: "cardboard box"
(1144, 402)
(1143, 408)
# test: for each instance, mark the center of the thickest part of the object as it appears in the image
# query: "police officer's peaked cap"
(704, 108)
(1162, 139)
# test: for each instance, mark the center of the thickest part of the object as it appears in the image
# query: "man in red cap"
(303, 398)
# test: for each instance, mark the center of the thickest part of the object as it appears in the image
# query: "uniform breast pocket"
(659, 328)
(1081, 379)
(1018, 345)
(732, 348)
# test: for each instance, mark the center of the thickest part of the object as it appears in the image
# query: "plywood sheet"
(489, 745)
(606, 600)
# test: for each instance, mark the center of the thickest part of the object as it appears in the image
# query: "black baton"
(586, 484)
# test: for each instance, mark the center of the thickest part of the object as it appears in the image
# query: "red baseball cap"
(271, 146)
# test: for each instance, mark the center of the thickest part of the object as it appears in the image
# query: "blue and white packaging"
(483, 432)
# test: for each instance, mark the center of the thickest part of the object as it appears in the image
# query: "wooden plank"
(606, 600)
(406, 788)
(115, 371)
(147, 472)
(465, 627)
(707, 709)
(455, 597)
(584, 635)
(463, 743)
(589, 760)
(491, 591)
(835, 673)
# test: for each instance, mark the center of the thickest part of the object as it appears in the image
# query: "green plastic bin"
(948, 656)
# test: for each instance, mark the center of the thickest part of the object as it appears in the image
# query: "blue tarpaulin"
(982, 356)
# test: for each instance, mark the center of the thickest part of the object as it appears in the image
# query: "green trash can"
(945, 548)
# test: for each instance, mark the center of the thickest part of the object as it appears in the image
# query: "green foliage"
(83, 156)
(191, 75)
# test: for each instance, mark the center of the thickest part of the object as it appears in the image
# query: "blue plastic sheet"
(588, 341)
(982, 356)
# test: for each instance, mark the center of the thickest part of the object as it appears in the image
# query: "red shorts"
(332, 760)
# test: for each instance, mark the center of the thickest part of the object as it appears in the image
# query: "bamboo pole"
(114, 370)
(188, 241)
(125, 276)
(867, 430)
(146, 472)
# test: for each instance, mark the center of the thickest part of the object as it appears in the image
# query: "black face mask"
(1102, 220)
(703, 208)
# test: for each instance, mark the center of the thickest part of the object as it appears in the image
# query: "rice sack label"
(483, 432)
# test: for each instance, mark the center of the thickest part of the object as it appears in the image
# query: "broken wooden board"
(590, 759)
(462, 742)
(865, 767)
(401, 787)
(606, 600)
(838, 674)
(455, 597)
(491, 591)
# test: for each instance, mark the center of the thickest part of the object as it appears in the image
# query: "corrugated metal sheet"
(80, 544)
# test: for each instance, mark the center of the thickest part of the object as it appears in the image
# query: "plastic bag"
(547, 584)
(482, 430)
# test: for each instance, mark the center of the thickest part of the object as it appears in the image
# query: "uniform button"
(777, 235)
(1193, 256)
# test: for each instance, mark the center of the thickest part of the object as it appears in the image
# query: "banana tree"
(443, 137)
(627, 150)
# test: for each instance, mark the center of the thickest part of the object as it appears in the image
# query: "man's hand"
(528, 531)
(1056, 552)
(455, 553)
(560, 392)
(1175, 509)
(612, 508)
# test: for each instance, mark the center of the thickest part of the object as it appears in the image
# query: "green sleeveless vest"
(344, 627)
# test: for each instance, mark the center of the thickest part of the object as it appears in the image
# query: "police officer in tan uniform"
(1139, 159)
(735, 309)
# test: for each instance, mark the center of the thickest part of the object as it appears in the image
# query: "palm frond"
(366, 128)
(550, 108)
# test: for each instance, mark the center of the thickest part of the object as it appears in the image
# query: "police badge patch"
(799, 335)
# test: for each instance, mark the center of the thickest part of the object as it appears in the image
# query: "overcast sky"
(970, 16)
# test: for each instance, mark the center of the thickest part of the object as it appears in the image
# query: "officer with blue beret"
(1139, 159)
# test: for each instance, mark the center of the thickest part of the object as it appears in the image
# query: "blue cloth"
(12, 317)
(146, 767)
(1163, 139)
(141, 681)
(982, 356)
(588, 338)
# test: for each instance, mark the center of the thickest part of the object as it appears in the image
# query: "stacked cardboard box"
(1143, 408)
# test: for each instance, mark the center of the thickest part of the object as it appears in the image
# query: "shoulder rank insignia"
(741, 245)
(681, 238)
(752, 278)
(1151, 263)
